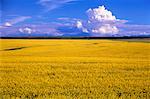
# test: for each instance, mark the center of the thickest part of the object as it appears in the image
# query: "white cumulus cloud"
(100, 21)
(100, 14)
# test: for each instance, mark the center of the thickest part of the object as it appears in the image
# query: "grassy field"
(74, 69)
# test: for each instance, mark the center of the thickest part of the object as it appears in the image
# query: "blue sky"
(52, 14)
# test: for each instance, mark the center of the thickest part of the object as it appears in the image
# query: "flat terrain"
(74, 69)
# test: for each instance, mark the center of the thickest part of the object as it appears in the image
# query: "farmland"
(74, 69)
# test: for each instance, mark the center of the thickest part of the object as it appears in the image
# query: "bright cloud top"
(101, 21)
(100, 14)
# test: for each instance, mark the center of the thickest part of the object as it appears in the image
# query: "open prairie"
(74, 69)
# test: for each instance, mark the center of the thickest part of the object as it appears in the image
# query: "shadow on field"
(17, 48)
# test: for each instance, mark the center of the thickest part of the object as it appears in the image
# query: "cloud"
(7, 24)
(30, 30)
(70, 22)
(53, 4)
(106, 28)
(80, 26)
(100, 14)
(47, 29)
(60, 29)
(100, 21)
(134, 30)
(16, 20)
(26, 30)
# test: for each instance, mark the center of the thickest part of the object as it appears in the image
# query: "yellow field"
(74, 69)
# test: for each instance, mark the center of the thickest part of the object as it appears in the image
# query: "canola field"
(74, 69)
